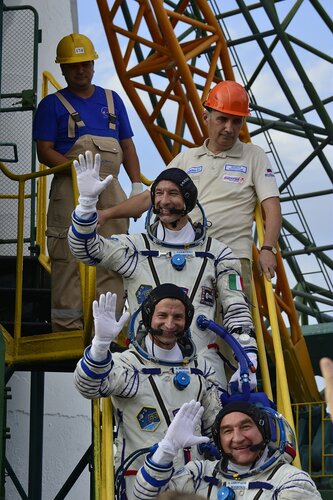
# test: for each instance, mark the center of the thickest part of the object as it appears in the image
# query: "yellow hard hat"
(75, 48)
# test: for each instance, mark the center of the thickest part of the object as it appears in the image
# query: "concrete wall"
(67, 435)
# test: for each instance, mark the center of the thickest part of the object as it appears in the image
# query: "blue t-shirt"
(51, 118)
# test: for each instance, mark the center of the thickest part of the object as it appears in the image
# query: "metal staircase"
(36, 294)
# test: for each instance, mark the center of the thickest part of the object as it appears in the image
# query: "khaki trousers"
(66, 302)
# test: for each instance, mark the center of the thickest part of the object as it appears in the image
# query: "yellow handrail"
(107, 451)
(283, 396)
(43, 257)
(49, 78)
(97, 446)
(22, 179)
(87, 273)
(267, 386)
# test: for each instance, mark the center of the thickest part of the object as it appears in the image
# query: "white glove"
(252, 376)
(107, 327)
(137, 188)
(180, 433)
(88, 181)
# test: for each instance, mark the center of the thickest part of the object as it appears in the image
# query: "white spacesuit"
(269, 476)
(204, 267)
(146, 391)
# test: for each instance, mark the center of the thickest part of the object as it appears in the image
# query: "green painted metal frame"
(3, 408)
(31, 105)
(295, 124)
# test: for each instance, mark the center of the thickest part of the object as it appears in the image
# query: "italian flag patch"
(235, 282)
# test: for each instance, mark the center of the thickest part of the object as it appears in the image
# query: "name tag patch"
(234, 179)
(195, 170)
(238, 485)
(235, 168)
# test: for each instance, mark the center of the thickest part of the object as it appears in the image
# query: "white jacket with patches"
(145, 400)
(281, 481)
(209, 277)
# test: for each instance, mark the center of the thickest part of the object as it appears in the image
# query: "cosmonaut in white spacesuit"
(173, 250)
(150, 381)
(256, 443)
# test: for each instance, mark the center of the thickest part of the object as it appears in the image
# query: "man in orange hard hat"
(230, 176)
(79, 117)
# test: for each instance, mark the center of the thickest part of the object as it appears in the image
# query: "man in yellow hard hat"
(79, 117)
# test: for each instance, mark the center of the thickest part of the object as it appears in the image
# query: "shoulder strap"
(202, 270)
(111, 111)
(74, 117)
(159, 400)
(214, 482)
(151, 261)
(275, 469)
(136, 355)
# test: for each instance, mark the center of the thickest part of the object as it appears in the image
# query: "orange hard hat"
(75, 48)
(229, 97)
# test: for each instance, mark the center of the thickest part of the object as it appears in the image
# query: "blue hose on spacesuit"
(245, 365)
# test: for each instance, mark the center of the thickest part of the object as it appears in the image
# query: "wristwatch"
(270, 248)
